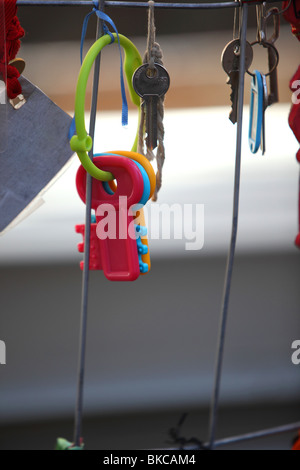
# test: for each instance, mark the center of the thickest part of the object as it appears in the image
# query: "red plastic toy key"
(117, 245)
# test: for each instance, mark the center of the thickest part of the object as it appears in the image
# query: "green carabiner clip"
(82, 143)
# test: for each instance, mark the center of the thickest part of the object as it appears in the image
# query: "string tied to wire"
(105, 19)
(180, 441)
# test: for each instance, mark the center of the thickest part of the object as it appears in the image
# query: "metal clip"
(263, 15)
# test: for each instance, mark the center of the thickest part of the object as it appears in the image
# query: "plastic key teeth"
(95, 261)
(141, 231)
(141, 248)
(143, 267)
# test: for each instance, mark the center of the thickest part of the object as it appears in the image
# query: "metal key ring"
(272, 12)
(271, 46)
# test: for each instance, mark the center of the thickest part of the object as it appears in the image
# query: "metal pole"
(230, 259)
(85, 275)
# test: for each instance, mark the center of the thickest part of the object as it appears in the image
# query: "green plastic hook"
(82, 143)
(63, 444)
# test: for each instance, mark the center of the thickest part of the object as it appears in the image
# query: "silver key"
(230, 60)
(150, 85)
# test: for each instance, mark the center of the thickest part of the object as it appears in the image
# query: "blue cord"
(104, 17)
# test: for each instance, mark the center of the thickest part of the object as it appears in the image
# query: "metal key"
(230, 60)
(150, 85)
(273, 78)
(273, 58)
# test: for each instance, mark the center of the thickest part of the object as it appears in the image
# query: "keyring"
(82, 143)
(267, 45)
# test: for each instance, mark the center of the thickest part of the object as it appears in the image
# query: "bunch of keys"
(150, 85)
(231, 56)
(118, 239)
(263, 96)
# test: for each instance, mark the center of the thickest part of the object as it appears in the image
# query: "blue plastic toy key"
(256, 111)
(146, 192)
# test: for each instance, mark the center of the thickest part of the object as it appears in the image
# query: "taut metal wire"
(230, 259)
(258, 434)
(243, 437)
(85, 275)
(125, 4)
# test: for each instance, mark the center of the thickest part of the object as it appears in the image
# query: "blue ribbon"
(107, 19)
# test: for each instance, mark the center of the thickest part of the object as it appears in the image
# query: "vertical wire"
(85, 275)
(231, 253)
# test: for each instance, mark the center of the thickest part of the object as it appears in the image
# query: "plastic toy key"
(140, 219)
(140, 226)
(115, 248)
(256, 111)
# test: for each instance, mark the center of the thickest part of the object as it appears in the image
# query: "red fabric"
(12, 83)
(294, 122)
(296, 444)
(294, 116)
(291, 16)
(10, 34)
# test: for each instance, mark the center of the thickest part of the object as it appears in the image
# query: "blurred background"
(151, 344)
